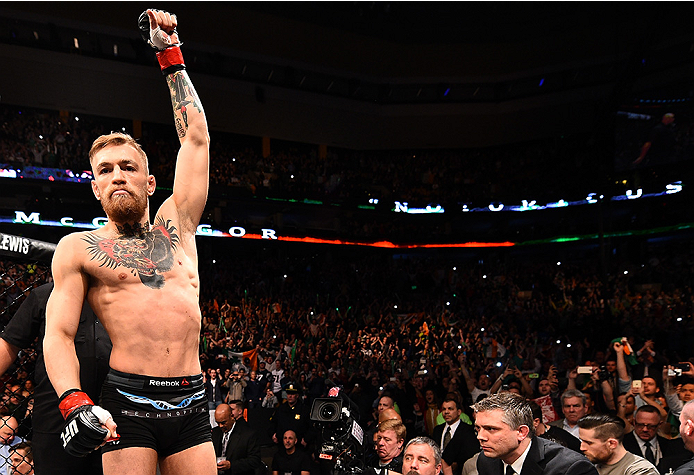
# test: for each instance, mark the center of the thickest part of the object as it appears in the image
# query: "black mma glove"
(167, 44)
(83, 431)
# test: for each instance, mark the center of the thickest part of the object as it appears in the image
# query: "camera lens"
(328, 412)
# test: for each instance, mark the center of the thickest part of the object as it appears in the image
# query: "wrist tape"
(71, 400)
(171, 60)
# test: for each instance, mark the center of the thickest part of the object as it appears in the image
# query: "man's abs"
(154, 331)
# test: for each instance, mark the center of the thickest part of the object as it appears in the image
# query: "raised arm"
(621, 363)
(191, 180)
(469, 382)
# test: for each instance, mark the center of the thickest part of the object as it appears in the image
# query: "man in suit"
(235, 440)
(455, 438)
(555, 434)
(504, 424)
(574, 405)
(601, 441)
(645, 442)
(687, 433)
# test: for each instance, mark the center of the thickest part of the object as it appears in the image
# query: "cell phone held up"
(677, 369)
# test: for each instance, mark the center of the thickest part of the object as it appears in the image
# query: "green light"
(586, 237)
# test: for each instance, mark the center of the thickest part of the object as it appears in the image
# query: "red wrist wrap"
(70, 401)
(171, 60)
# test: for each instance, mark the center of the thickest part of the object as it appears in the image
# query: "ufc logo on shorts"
(69, 432)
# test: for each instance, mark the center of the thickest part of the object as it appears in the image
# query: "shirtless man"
(142, 281)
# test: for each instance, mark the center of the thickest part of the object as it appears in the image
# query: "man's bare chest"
(145, 258)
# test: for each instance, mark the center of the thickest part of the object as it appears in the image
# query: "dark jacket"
(673, 452)
(463, 445)
(243, 449)
(214, 394)
(546, 458)
(686, 468)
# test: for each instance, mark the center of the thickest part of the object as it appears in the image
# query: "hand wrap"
(168, 51)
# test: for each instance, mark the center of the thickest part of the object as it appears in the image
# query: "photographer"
(598, 386)
(235, 386)
(678, 389)
(512, 374)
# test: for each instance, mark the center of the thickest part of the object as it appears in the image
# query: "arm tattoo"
(146, 253)
(182, 95)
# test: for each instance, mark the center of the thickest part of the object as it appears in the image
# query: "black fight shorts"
(168, 415)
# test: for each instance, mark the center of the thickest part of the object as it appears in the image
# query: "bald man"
(687, 433)
(387, 414)
(235, 443)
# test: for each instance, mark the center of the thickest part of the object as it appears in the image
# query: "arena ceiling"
(464, 39)
(515, 70)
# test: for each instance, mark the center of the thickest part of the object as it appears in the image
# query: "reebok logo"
(184, 382)
(154, 382)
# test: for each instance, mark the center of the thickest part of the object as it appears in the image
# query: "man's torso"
(145, 291)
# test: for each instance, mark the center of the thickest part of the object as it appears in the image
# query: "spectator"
(389, 442)
(253, 392)
(291, 415)
(601, 441)
(386, 402)
(645, 442)
(555, 434)
(236, 384)
(457, 440)
(22, 459)
(422, 457)
(292, 459)
(8, 439)
(574, 406)
(213, 390)
(432, 410)
(270, 400)
(234, 440)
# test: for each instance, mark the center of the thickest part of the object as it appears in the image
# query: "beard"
(125, 208)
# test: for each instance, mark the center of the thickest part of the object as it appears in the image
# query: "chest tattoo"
(146, 253)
